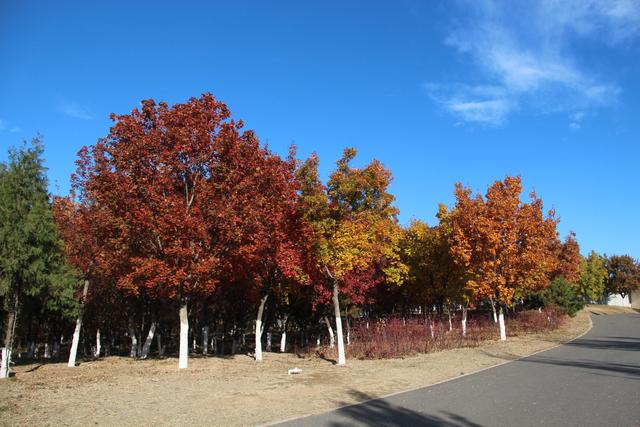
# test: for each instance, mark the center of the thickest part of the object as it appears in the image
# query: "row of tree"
(179, 211)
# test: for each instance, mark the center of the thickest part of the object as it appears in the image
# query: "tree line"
(181, 227)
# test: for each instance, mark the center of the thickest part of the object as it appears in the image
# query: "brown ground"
(236, 391)
(609, 309)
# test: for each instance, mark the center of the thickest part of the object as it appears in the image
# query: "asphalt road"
(592, 381)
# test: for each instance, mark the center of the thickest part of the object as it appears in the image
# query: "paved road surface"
(593, 381)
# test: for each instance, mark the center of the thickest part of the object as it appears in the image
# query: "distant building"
(618, 300)
(634, 298)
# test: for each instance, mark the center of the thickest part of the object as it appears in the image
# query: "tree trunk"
(503, 332)
(258, 334)
(146, 348)
(183, 360)
(205, 340)
(5, 364)
(348, 331)
(332, 338)
(269, 341)
(159, 342)
(97, 353)
(76, 332)
(449, 316)
(133, 352)
(31, 346)
(464, 321)
(47, 350)
(493, 309)
(336, 308)
(283, 337)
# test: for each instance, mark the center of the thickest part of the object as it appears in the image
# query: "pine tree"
(30, 250)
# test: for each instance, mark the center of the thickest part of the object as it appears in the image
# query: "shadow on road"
(381, 412)
(629, 370)
(615, 343)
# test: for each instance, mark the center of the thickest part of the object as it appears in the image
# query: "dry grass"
(236, 391)
(609, 309)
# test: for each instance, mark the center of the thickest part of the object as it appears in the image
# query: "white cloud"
(576, 119)
(483, 104)
(75, 111)
(491, 112)
(5, 125)
(524, 50)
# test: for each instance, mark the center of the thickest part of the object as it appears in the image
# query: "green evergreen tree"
(560, 294)
(31, 261)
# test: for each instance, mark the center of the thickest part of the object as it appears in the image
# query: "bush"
(397, 337)
(536, 321)
(561, 295)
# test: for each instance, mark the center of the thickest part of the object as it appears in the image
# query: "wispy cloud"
(483, 104)
(75, 111)
(5, 126)
(523, 51)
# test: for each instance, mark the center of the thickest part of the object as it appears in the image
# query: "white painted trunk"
(503, 332)
(97, 353)
(183, 359)
(342, 360)
(160, 346)
(269, 341)
(283, 337)
(74, 343)
(318, 342)
(258, 340)
(348, 331)
(31, 347)
(205, 340)
(332, 337)
(431, 329)
(76, 332)
(134, 343)
(450, 323)
(47, 351)
(4, 365)
(464, 321)
(146, 348)
(493, 310)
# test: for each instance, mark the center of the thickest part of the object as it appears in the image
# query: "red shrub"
(536, 321)
(397, 337)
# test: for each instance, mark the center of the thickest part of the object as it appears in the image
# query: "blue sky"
(439, 91)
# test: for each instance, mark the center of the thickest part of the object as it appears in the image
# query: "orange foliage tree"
(502, 242)
(568, 259)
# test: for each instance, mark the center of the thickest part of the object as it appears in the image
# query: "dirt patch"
(236, 391)
(610, 309)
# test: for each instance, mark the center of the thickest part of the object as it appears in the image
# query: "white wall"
(617, 300)
(635, 299)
